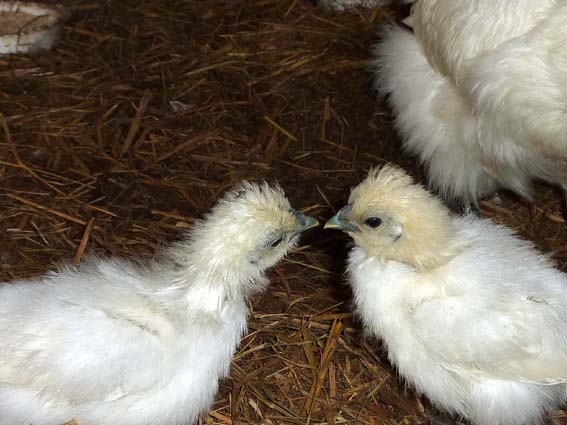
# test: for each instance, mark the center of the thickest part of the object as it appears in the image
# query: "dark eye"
(373, 222)
(276, 242)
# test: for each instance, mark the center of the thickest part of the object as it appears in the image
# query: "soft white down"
(479, 93)
(472, 316)
(117, 342)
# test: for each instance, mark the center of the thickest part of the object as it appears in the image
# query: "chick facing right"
(472, 316)
(124, 343)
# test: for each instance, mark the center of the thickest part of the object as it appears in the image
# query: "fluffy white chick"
(115, 342)
(472, 316)
(479, 93)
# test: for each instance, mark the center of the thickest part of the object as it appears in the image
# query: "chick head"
(392, 218)
(249, 230)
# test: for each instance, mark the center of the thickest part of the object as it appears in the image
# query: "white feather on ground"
(472, 316)
(115, 342)
(479, 93)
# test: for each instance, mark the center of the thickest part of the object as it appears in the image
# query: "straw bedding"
(116, 140)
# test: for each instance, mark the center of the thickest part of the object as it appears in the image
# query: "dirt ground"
(113, 142)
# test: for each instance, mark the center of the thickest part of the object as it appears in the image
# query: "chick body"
(479, 93)
(115, 342)
(477, 322)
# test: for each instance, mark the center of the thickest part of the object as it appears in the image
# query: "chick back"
(105, 345)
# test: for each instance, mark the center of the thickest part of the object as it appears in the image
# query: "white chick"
(479, 93)
(115, 342)
(472, 316)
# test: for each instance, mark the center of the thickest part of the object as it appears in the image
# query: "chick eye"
(373, 222)
(276, 242)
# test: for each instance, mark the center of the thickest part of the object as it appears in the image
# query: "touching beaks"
(307, 222)
(340, 222)
(408, 21)
(310, 222)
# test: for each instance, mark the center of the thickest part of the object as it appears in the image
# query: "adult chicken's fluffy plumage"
(480, 93)
(114, 342)
(471, 315)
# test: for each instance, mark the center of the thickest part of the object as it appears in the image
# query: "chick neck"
(210, 274)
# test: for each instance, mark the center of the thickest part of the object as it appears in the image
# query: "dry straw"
(114, 141)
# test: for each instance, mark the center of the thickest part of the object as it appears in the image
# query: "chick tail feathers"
(434, 121)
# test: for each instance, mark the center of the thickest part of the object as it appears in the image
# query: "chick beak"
(340, 222)
(310, 222)
(305, 221)
(408, 21)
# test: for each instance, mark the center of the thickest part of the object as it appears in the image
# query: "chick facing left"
(472, 316)
(396, 220)
(117, 342)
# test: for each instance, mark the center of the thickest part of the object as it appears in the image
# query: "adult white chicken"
(471, 315)
(115, 342)
(480, 93)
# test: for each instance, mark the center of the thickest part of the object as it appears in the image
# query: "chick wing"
(51, 351)
(503, 311)
(503, 345)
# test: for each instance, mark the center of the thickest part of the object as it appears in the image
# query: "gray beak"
(306, 221)
(340, 221)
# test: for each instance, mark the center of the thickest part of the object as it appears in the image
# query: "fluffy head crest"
(256, 201)
(249, 230)
(386, 184)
